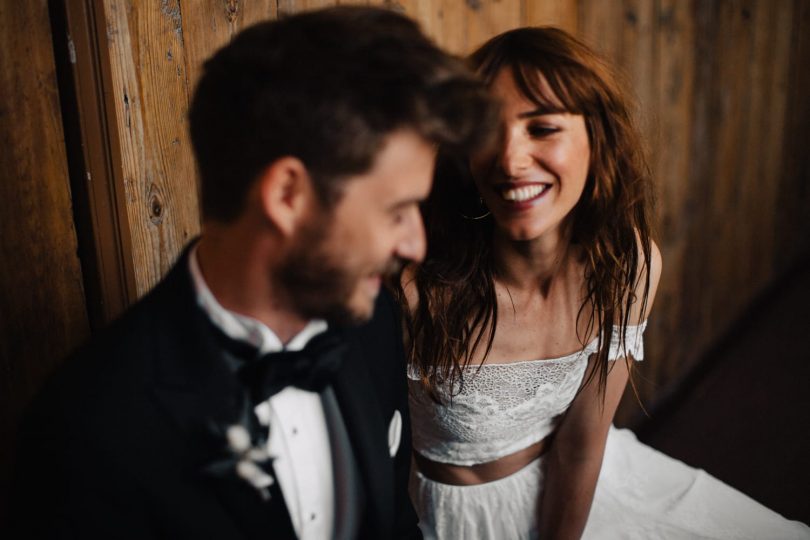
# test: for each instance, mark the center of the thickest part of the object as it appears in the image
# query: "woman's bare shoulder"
(653, 270)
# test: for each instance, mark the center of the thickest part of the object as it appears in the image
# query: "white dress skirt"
(641, 494)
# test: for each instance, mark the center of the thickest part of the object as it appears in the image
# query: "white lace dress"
(641, 493)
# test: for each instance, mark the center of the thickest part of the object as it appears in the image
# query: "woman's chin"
(524, 232)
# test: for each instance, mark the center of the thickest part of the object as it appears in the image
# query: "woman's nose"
(515, 156)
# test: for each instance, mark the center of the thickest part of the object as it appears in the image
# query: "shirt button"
(312, 516)
(295, 431)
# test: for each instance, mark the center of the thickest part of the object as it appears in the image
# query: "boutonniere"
(243, 459)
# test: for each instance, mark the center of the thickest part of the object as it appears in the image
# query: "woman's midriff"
(480, 473)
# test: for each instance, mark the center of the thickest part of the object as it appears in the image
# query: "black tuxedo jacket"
(116, 443)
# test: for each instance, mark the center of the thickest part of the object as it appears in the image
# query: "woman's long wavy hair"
(457, 308)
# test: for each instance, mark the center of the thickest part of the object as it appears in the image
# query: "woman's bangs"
(552, 97)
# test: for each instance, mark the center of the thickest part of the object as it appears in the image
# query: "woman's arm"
(575, 457)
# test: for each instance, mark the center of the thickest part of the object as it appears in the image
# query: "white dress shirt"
(299, 437)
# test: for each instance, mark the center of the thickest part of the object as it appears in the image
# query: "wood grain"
(671, 162)
(722, 88)
(721, 105)
(42, 313)
(439, 19)
(561, 13)
(151, 91)
(793, 200)
(211, 24)
(486, 18)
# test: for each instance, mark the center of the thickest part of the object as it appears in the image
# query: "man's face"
(338, 261)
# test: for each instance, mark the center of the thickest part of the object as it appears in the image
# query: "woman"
(527, 314)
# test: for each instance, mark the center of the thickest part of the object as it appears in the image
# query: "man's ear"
(285, 193)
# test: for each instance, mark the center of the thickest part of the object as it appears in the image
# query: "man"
(235, 401)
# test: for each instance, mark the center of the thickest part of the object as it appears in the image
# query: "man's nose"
(412, 244)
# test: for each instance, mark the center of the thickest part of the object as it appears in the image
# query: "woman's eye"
(541, 130)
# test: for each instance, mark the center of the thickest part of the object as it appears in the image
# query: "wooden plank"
(210, 24)
(487, 18)
(561, 13)
(671, 163)
(778, 52)
(791, 230)
(600, 26)
(715, 83)
(637, 62)
(92, 145)
(695, 277)
(762, 155)
(460, 27)
(721, 211)
(151, 95)
(699, 278)
(443, 20)
(288, 7)
(729, 117)
(42, 313)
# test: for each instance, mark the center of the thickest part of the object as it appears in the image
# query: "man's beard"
(315, 282)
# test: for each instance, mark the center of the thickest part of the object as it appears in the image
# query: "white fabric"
(299, 437)
(641, 494)
(503, 408)
(503, 509)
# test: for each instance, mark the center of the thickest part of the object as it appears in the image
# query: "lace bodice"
(503, 408)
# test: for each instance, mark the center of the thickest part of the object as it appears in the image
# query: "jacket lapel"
(366, 427)
(202, 395)
(199, 391)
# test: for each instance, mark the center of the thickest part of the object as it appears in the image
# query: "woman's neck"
(531, 265)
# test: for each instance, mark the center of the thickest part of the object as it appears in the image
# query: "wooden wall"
(42, 310)
(720, 93)
(155, 57)
(722, 87)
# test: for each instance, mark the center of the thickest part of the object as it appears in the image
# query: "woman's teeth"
(523, 193)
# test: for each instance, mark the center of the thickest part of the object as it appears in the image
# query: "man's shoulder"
(117, 358)
(152, 315)
(383, 331)
(132, 334)
(95, 409)
(376, 347)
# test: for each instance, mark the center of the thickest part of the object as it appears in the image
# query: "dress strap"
(633, 342)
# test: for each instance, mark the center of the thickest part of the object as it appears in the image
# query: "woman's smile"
(538, 176)
(521, 195)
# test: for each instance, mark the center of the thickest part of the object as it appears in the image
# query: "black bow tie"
(311, 368)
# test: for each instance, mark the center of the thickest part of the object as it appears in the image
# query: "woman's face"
(538, 176)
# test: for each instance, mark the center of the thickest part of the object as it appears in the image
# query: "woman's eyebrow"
(540, 111)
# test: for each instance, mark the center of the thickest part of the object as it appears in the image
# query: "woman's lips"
(520, 196)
